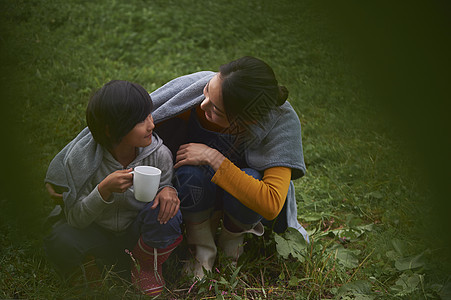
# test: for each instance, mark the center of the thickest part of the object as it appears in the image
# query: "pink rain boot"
(147, 271)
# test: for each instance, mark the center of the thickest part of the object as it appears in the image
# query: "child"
(102, 216)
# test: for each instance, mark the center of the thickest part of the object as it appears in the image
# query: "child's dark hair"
(115, 109)
(250, 89)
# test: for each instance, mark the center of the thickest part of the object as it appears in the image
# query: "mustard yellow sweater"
(266, 196)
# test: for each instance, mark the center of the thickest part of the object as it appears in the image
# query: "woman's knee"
(191, 175)
(193, 184)
(237, 212)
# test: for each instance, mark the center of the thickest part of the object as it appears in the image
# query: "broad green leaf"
(399, 246)
(312, 217)
(348, 234)
(282, 246)
(292, 243)
(392, 255)
(295, 236)
(345, 257)
(361, 289)
(407, 284)
(409, 263)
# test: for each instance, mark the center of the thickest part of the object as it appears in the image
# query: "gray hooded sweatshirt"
(83, 164)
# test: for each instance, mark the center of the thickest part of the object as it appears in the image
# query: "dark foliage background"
(370, 82)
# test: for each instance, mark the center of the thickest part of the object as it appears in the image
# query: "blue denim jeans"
(199, 197)
(67, 246)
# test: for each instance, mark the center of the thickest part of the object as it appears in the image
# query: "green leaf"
(392, 255)
(375, 194)
(292, 242)
(407, 284)
(282, 276)
(223, 281)
(409, 263)
(399, 246)
(312, 217)
(282, 246)
(345, 257)
(293, 281)
(235, 273)
(349, 233)
(361, 289)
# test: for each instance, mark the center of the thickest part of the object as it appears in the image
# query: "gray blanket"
(275, 141)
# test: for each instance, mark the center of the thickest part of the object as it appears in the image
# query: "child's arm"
(95, 198)
(116, 182)
(169, 203)
(54, 195)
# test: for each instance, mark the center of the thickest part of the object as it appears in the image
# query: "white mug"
(146, 180)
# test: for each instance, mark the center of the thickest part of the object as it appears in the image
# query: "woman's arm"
(266, 196)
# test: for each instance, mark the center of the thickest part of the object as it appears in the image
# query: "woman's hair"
(250, 89)
(115, 109)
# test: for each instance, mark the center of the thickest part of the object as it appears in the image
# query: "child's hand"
(58, 198)
(169, 204)
(116, 182)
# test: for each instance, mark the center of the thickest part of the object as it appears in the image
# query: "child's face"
(141, 134)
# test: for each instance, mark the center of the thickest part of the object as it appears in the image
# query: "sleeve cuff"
(222, 170)
(167, 185)
(95, 202)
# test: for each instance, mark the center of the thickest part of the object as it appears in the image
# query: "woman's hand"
(198, 154)
(169, 204)
(116, 182)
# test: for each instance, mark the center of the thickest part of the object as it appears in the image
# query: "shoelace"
(155, 264)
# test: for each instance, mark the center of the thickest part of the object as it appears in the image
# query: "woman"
(237, 146)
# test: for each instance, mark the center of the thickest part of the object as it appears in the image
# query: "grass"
(366, 199)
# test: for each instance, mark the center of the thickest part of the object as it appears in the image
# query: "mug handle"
(131, 188)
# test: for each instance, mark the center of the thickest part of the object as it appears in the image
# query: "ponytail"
(283, 95)
(250, 89)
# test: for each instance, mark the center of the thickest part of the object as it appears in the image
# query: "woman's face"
(213, 105)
